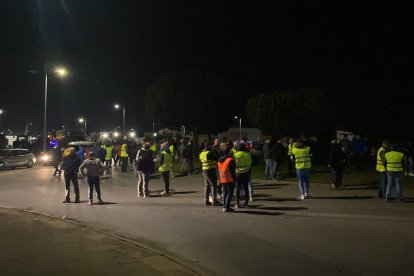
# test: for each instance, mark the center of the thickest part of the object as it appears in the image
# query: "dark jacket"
(71, 164)
(268, 151)
(337, 157)
(143, 161)
(280, 152)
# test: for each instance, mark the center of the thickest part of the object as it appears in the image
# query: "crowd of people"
(225, 166)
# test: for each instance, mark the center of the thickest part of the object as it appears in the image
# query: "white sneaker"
(411, 174)
(301, 197)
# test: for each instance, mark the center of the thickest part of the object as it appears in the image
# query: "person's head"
(268, 140)
(291, 140)
(242, 147)
(223, 146)
(216, 142)
(298, 144)
(72, 150)
(147, 145)
(207, 146)
(91, 155)
(165, 146)
(385, 144)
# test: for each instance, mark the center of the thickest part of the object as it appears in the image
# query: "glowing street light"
(240, 119)
(117, 106)
(82, 120)
(116, 134)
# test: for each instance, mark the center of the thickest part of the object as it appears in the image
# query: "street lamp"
(82, 120)
(240, 119)
(62, 73)
(1, 112)
(117, 106)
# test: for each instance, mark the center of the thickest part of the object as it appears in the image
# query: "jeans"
(278, 163)
(166, 178)
(143, 180)
(394, 179)
(242, 183)
(303, 180)
(94, 181)
(382, 188)
(228, 190)
(269, 169)
(74, 178)
(108, 166)
(210, 184)
(337, 174)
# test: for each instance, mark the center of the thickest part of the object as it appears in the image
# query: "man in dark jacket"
(268, 154)
(279, 153)
(144, 166)
(70, 166)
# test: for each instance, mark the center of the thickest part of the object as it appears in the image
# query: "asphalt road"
(348, 232)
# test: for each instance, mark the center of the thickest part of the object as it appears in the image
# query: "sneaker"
(307, 196)
(333, 186)
(165, 193)
(251, 199)
(100, 201)
(208, 203)
(301, 197)
(76, 201)
(228, 210)
(146, 195)
(67, 200)
(237, 206)
(216, 203)
(140, 195)
(90, 201)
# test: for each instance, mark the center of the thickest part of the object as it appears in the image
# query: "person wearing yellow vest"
(208, 168)
(243, 160)
(227, 176)
(124, 157)
(291, 160)
(394, 166)
(382, 187)
(302, 156)
(109, 152)
(166, 163)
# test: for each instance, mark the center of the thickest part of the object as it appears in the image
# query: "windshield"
(4, 152)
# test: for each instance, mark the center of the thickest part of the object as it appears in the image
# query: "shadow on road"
(185, 192)
(341, 197)
(279, 199)
(282, 208)
(260, 213)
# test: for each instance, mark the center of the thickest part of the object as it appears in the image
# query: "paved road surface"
(336, 232)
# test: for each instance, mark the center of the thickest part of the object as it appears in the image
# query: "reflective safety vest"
(205, 163)
(290, 146)
(394, 161)
(224, 171)
(171, 148)
(234, 151)
(154, 148)
(124, 150)
(243, 161)
(108, 152)
(166, 165)
(302, 157)
(380, 166)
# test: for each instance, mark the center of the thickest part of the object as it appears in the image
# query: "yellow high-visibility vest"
(243, 161)
(394, 161)
(124, 150)
(205, 163)
(166, 165)
(380, 166)
(302, 157)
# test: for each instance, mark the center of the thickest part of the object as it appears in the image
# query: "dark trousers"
(228, 190)
(243, 183)
(337, 174)
(124, 161)
(94, 181)
(291, 165)
(278, 164)
(74, 178)
(210, 184)
(166, 178)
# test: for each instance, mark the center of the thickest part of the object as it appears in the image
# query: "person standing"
(208, 168)
(57, 160)
(337, 161)
(109, 152)
(302, 156)
(280, 154)
(291, 158)
(144, 168)
(124, 157)
(243, 160)
(117, 157)
(394, 165)
(382, 187)
(165, 168)
(227, 176)
(92, 167)
(70, 166)
(268, 154)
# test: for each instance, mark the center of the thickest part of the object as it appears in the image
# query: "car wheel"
(29, 164)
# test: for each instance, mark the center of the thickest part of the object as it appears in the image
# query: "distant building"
(252, 134)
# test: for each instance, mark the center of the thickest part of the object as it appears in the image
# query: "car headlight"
(45, 157)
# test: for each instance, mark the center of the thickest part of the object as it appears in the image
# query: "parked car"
(12, 158)
(46, 158)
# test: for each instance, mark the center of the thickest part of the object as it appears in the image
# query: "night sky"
(359, 50)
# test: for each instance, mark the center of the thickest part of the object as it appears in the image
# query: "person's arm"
(81, 168)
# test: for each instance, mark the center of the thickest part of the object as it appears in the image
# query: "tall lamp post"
(60, 72)
(240, 119)
(1, 112)
(117, 106)
(82, 120)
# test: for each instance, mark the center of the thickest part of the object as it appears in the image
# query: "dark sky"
(115, 49)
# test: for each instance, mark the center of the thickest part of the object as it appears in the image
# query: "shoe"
(307, 196)
(224, 209)
(140, 195)
(251, 199)
(146, 195)
(216, 203)
(333, 186)
(301, 197)
(228, 210)
(208, 203)
(67, 200)
(165, 193)
(90, 202)
(100, 202)
(237, 206)
(76, 201)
